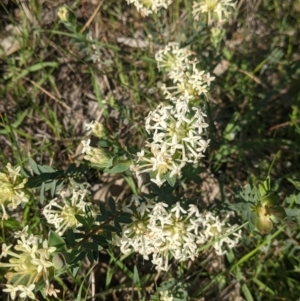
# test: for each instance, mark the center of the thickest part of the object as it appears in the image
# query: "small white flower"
(95, 155)
(147, 7)
(27, 291)
(191, 83)
(12, 290)
(215, 9)
(172, 58)
(30, 260)
(167, 232)
(177, 210)
(51, 291)
(178, 135)
(164, 296)
(23, 234)
(11, 189)
(214, 229)
(96, 128)
(5, 250)
(86, 146)
(62, 213)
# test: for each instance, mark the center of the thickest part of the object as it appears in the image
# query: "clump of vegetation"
(150, 150)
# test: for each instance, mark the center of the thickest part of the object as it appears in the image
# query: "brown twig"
(281, 125)
(91, 17)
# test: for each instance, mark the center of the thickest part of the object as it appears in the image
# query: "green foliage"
(48, 179)
(260, 207)
(173, 288)
(56, 72)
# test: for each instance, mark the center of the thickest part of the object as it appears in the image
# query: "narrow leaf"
(33, 165)
(112, 205)
(103, 211)
(42, 193)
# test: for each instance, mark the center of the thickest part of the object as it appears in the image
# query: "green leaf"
(91, 246)
(295, 183)
(96, 255)
(33, 182)
(42, 193)
(120, 166)
(74, 270)
(112, 205)
(34, 166)
(110, 228)
(71, 169)
(171, 180)
(75, 256)
(108, 236)
(292, 211)
(53, 187)
(11, 223)
(100, 239)
(136, 279)
(56, 241)
(118, 227)
(298, 199)
(82, 220)
(83, 283)
(124, 218)
(233, 127)
(100, 218)
(25, 172)
(45, 168)
(36, 181)
(59, 184)
(70, 238)
(265, 187)
(103, 211)
(167, 285)
(130, 181)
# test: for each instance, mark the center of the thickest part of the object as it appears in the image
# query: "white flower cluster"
(173, 232)
(219, 10)
(61, 213)
(147, 7)
(178, 130)
(12, 189)
(165, 296)
(96, 128)
(96, 155)
(29, 265)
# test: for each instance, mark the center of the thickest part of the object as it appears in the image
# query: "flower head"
(97, 129)
(172, 57)
(147, 7)
(215, 9)
(12, 189)
(191, 83)
(216, 230)
(166, 296)
(29, 263)
(165, 232)
(63, 14)
(61, 213)
(96, 155)
(178, 137)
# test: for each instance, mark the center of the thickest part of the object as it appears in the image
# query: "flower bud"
(63, 14)
(98, 130)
